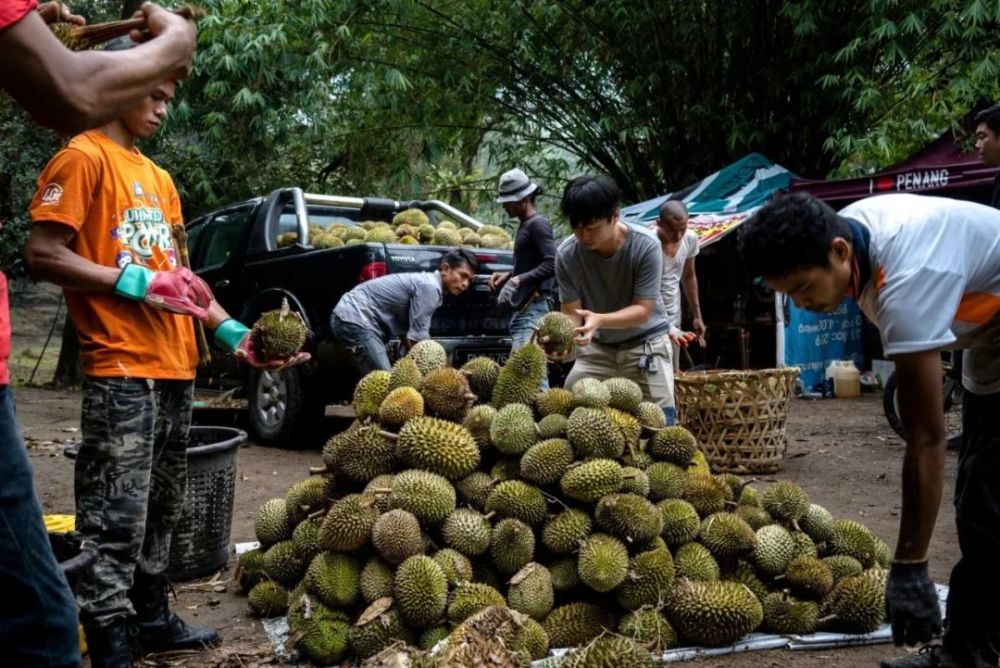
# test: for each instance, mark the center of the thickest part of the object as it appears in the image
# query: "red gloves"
(177, 290)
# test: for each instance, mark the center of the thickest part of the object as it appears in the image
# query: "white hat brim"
(519, 195)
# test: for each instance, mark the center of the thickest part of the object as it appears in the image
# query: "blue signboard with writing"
(813, 340)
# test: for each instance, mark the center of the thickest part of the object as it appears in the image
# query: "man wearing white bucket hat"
(526, 289)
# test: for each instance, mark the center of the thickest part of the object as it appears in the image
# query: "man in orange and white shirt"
(926, 272)
(103, 215)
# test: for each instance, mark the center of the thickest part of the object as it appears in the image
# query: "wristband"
(134, 282)
(230, 334)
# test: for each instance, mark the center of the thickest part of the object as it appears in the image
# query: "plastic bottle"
(846, 380)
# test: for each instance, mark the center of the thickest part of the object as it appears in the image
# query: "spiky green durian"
(249, 569)
(513, 430)
(563, 533)
(577, 624)
(482, 373)
(517, 499)
(649, 628)
(283, 564)
(629, 517)
(694, 562)
(400, 406)
(680, 521)
(334, 578)
(475, 488)
(531, 591)
(348, 524)
(429, 355)
(456, 566)
(809, 577)
(650, 580)
(666, 481)
(396, 536)
(376, 580)
(446, 393)
(593, 433)
(590, 393)
(271, 523)
(544, 463)
(786, 614)
(715, 614)
(727, 536)
(602, 562)
(553, 426)
(555, 401)
(471, 597)
(706, 493)
(306, 497)
(554, 333)
(412, 217)
(427, 495)
(268, 599)
(405, 373)
(478, 421)
(775, 550)
(467, 531)
(589, 481)
(438, 446)
(280, 333)
(513, 545)
(421, 591)
(785, 501)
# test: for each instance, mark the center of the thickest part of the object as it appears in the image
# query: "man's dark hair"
(534, 195)
(990, 117)
(456, 257)
(586, 198)
(791, 232)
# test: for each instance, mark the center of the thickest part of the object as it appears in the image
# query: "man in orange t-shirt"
(103, 214)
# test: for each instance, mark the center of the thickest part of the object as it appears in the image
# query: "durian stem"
(828, 618)
(389, 435)
(380, 490)
(319, 513)
(795, 525)
(319, 470)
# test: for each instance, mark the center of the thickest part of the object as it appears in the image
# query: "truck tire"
(281, 411)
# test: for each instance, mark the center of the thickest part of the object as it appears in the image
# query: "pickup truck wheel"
(280, 411)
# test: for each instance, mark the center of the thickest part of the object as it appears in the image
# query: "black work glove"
(911, 604)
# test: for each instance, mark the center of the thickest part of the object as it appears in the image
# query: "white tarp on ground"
(277, 632)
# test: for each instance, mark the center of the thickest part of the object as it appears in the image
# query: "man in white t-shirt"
(680, 246)
(926, 272)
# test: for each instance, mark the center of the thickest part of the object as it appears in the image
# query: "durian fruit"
(694, 562)
(775, 550)
(843, 566)
(432, 636)
(446, 237)
(249, 569)
(470, 240)
(706, 493)
(495, 230)
(482, 373)
(283, 564)
(378, 627)
(649, 582)
(376, 580)
(421, 591)
(492, 241)
(369, 394)
(306, 497)
(673, 444)
(590, 480)
(406, 230)
(320, 634)
(883, 555)
(471, 597)
(651, 415)
(680, 521)
(714, 614)
(279, 334)
(271, 523)
(531, 591)
(430, 497)
(467, 531)
(348, 523)
(381, 235)
(804, 545)
(577, 624)
(506, 468)
(412, 217)
(743, 572)
(854, 540)
(456, 566)
(553, 426)
(554, 333)
(355, 232)
(287, 239)
(629, 517)
(399, 406)
(636, 481)
(602, 562)
(750, 497)
(727, 536)
(334, 579)
(563, 533)
(438, 446)
(512, 546)
(494, 636)
(609, 651)
(545, 463)
(858, 603)
(639, 459)
(666, 481)
(649, 628)
(517, 499)
(478, 421)
(699, 464)
(626, 395)
(754, 516)
(785, 614)
(448, 225)
(405, 373)
(361, 453)
(305, 537)
(786, 502)
(426, 233)
(809, 577)
(629, 427)
(590, 393)
(592, 433)
(513, 430)
(564, 574)
(475, 488)
(531, 640)
(446, 393)
(327, 240)
(268, 599)
(429, 355)
(817, 523)
(520, 377)
(396, 536)
(554, 401)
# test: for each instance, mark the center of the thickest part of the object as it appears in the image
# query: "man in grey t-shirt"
(609, 283)
(397, 306)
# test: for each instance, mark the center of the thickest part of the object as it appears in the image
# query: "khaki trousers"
(601, 361)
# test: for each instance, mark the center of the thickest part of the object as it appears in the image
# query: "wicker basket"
(738, 417)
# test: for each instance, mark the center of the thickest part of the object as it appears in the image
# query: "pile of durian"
(465, 506)
(411, 226)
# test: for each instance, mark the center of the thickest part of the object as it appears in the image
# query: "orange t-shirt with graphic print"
(122, 207)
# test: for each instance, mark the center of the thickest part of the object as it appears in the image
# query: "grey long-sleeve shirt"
(394, 305)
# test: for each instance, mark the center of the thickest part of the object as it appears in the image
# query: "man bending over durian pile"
(103, 215)
(609, 284)
(926, 271)
(397, 306)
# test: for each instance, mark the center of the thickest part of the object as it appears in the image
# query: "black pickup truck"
(235, 250)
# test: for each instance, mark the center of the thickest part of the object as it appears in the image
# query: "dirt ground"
(841, 451)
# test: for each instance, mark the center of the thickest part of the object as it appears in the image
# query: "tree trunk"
(68, 370)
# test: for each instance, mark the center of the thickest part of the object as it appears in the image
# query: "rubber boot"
(109, 646)
(159, 629)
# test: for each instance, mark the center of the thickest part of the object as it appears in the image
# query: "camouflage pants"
(130, 480)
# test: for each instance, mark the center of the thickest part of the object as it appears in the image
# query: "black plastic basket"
(200, 542)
